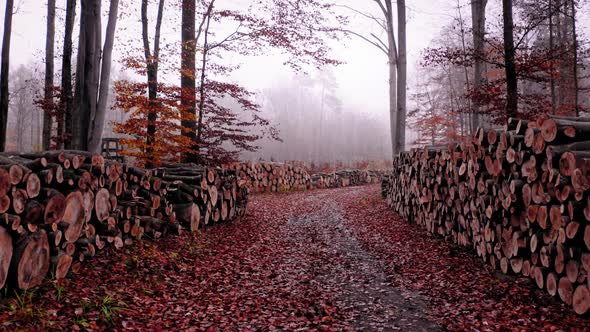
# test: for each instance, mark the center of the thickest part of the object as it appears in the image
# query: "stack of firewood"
(275, 177)
(61, 207)
(215, 191)
(272, 177)
(345, 178)
(518, 196)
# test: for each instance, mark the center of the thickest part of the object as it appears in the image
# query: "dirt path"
(332, 260)
(323, 246)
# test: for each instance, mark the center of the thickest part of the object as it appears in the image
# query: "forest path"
(322, 249)
(332, 260)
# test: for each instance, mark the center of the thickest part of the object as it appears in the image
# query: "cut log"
(5, 255)
(54, 202)
(62, 264)
(32, 184)
(5, 182)
(552, 284)
(4, 204)
(581, 299)
(565, 290)
(73, 216)
(102, 205)
(572, 270)
(19, 199)
(30, 261)
(188, 214)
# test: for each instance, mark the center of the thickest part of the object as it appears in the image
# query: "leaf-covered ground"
(322, 260)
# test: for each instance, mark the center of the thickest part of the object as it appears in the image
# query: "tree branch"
(379, 46)
(207, 14)
(366, 15)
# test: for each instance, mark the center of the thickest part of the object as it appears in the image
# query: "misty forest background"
(300, 113)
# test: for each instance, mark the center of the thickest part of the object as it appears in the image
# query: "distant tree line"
(528, 62)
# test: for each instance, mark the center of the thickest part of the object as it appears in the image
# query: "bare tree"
(97, 122)
(86, 73)
(551, 48)
(400, 131)
(64, 121)
(90, 105)
(23, 87)
(511, 78)
(4, 72)
(49, 55)
(478, 19)
(465, 67)
(188, 69)
(575, 60)
(152, 60)
(204, 30)
(397, 65)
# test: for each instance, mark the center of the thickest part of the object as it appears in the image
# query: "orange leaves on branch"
(167, 144)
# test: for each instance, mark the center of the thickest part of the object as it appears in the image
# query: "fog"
(329, 114)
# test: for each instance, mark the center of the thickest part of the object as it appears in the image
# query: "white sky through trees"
(362, 80)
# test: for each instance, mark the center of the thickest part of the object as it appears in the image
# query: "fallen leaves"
(463, 294)
(326, 260)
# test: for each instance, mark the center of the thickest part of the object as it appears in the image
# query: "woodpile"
(59, 208)
(272, 177)
(277, 177)
(518, 196)
(345, 178)
(217, 192)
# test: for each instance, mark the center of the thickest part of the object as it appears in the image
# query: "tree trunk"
(64, 121)
(478, 21)
(49, 54)
(465, 68)
(551, 68)
(188, 72)
(392, 63)
(4, 72)
(152, 69)
(197, 143)
(392, 103)
(400, 131)
(97, 124)
(575, 60)
(511, 79)
(86, 74)
(20, 122)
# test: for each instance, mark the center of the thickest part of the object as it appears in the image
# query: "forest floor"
(324, 260)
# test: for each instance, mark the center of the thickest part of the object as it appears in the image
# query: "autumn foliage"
(168, 144)
(549, 61)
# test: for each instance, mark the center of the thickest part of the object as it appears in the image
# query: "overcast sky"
(362, 79)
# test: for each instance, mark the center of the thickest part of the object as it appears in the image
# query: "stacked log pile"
(272, 177)
(345, 178)
(277, 177)
(518, 196)
(60, 208)
(217, 192)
